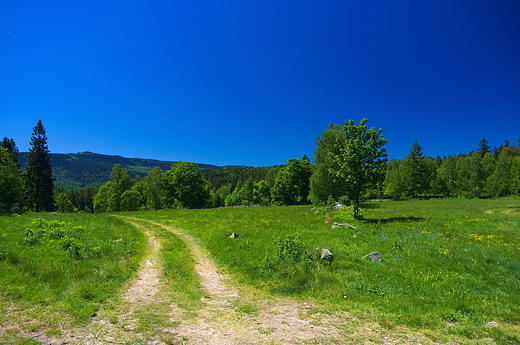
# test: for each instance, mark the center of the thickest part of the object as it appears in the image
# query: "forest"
(350, 164)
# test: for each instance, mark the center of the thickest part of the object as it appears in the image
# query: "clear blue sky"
(256, 82)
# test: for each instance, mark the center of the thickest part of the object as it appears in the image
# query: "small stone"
(336, 226)
(326, 254)
(375, 257)
(233, 235)
(492, 324)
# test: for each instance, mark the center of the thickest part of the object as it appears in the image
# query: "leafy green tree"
(325, 186)
(185, 186)
(38, 179)
(215, 200)
(472, 172)
(242, 195)
(499, 182)
(10, 145)
(292, 182)
(119, 182)
(131, 200)
(446, 173)
(108, 197)
(63, 203)
(151, 189)
(10, 180)
(360, 159)
(394, 184)
(515, 175)
(262, 193)
(100, 200)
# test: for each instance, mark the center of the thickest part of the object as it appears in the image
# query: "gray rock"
(375, 257)
(233, 235)
(326, 254)
(336, 226)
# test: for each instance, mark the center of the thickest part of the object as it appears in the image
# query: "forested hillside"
(86, 169)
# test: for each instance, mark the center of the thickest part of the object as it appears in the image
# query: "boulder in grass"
(374, 257)
(326, 255)
(233, 235)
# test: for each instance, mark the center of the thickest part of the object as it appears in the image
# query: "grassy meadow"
(449, 266)
(58, 269)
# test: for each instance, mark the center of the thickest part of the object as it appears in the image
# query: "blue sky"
(257, 82)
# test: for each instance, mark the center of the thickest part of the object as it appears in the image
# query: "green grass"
(60, 268)
(450, 266)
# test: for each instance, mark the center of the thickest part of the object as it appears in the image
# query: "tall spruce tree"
(38, 179)
(418, 171)
(483, 147)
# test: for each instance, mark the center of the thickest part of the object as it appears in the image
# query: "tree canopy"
(359, 158)
(185, 186)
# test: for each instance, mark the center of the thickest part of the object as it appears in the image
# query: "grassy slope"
(448, 265)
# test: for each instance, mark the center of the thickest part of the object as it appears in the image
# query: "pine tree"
(418, 171)
(483, 147)
(38, 179)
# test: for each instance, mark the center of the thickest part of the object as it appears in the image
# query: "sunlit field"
(61, 268)
(448, 266)
(449, 269)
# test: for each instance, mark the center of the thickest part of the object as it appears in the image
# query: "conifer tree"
(483, 147)
(418, 171)
(38, 179)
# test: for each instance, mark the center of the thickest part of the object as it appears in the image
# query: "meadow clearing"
(449, 274)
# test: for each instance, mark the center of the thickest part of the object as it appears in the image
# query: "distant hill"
(87, 169)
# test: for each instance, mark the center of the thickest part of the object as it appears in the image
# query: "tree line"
(350, 164)
(481, 173)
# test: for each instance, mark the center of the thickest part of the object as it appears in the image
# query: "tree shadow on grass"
(369, 205)
(394, 220)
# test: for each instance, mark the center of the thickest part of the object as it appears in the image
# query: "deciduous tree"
(360, 158)
(325, 185)
(292, 182)
(10, 181)
(185, 186)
